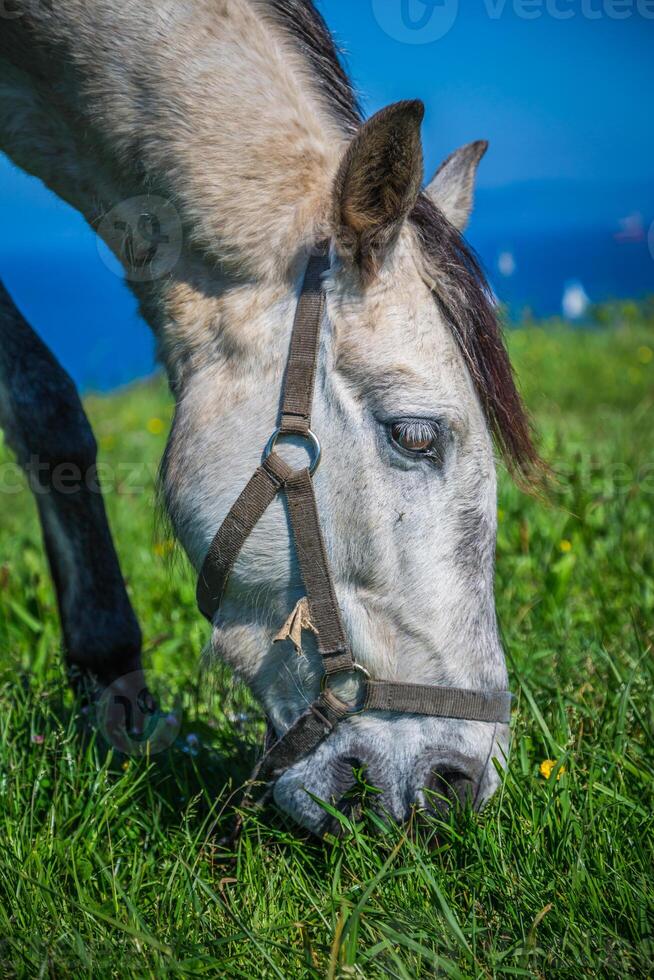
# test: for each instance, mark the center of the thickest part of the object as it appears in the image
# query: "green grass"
(107, 868)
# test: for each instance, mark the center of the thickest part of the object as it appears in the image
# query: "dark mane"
(462, 292)
(460, 288)
(302, 21)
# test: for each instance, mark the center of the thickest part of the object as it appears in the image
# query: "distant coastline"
(533, 239)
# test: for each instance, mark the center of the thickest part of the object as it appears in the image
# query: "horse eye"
(419, 437)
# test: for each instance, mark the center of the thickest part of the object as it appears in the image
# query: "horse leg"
(46, 427)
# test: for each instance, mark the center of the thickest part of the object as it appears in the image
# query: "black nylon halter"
(275, 476)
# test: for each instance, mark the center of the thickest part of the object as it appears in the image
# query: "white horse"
(212, 143)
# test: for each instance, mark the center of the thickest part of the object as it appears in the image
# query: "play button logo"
(416, 21)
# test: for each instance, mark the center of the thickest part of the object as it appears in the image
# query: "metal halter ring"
(313, 446)
(354, 669)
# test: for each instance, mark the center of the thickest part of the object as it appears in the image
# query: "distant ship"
(506, 264)
(632, 229)
(575, 300)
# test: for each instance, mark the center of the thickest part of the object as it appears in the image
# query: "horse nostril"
(349, 785)
(450, 788)
(344, 775)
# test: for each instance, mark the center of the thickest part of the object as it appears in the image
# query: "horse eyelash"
(419, 428)
(422, 429)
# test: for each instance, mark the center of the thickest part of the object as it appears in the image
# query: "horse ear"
(377, 185)
(452, 188)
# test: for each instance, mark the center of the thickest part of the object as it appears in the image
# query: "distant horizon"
(19, 189)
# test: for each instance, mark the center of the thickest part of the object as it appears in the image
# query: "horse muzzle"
(394, 767)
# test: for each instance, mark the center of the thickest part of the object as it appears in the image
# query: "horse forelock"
(463, 294)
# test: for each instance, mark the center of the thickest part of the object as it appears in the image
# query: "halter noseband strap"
(275, 476)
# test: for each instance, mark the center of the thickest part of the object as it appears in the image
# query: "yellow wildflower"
(565, 546)
(155, 426)
(107, 442)
(125, 765)
(645, 354)
(547, 766)
(163, 548)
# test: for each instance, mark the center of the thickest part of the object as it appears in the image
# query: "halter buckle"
(353, 669)
(311, 439)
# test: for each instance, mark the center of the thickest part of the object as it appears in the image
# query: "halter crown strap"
(274, 476)
(297, 396)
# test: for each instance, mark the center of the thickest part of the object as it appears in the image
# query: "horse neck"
(206, 104)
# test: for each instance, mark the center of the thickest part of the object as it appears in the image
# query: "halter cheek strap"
(275, 476)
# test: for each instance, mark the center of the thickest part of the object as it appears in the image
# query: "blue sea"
(535, 241)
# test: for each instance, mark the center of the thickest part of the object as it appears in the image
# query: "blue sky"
(557, 98)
